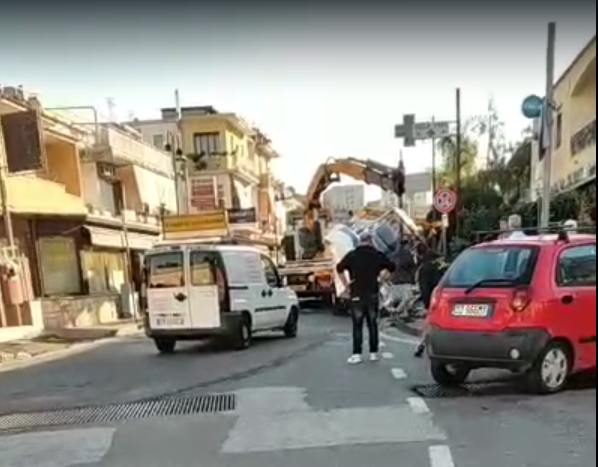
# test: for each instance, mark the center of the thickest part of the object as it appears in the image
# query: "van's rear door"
(167, 295)
(207, 289)
(477, 292)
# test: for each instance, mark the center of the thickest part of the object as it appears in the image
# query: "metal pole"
(8, 227)
(546, 143)
(458, 149)
(176, 145)
(127, 265)
(434, 183)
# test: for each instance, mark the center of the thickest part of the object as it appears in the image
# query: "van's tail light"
(521, 299)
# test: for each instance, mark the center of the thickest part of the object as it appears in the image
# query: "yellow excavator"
(309, 270)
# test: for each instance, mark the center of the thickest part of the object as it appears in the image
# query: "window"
(104, 271)
(577, 267)
(208, 144)
(165, 270)
(271, 272)
(510, 263)
(159, 141)
(202, 271)
(559, 130)
(59, 266)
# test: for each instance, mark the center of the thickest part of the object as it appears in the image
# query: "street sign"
(445, 201)
(532, 106)
(432, 130)
(209, 223)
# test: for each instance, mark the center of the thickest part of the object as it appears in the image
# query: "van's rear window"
(165, 270)
(500, 263)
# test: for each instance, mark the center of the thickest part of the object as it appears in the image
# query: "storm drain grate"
(435, 391)
(119, 412)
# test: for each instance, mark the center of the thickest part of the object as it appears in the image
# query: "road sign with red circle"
(445, 200)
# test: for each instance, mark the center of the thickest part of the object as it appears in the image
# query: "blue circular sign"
(532, 107)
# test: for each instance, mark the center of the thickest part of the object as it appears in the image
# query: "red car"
(524, 304)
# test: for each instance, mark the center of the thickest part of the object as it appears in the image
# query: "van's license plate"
(471, 310)
(169, 322)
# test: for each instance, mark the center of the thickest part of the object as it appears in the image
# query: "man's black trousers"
(364, 310)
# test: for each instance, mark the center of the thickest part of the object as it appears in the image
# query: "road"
(286, 403)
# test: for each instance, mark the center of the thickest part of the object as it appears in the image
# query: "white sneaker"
(355, 360)
(374, 357)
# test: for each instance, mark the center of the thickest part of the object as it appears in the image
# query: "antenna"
(111, 105)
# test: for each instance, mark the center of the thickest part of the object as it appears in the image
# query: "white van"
(194, 291)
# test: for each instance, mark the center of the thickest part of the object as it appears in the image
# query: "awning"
(109, 238)
(32, 195)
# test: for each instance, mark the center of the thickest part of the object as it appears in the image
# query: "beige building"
(234, 157)
(574, 131)
(73, 184)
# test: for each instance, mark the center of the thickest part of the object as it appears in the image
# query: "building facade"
(418, 198)
(83, 205)
(226, 162)
(574, 131)
(340, 201)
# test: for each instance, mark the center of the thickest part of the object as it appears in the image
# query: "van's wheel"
(551, 371)
(449, 374)
(243, 334)
(165, 346)
(291, 328)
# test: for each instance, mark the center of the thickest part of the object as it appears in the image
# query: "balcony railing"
(584, 138)
(126, 149)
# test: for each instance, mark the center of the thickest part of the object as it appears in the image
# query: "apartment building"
(574, 132)
(84, 202)
(227, 161)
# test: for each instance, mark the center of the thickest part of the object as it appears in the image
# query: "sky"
(321, 81)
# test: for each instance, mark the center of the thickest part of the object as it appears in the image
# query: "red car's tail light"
(521, 299)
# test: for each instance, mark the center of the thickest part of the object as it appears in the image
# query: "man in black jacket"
(364, 266)
(430, 274)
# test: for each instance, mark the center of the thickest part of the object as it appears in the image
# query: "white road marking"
(399, 373)
(400, 340)
(441, 456)
(257, 433)
(387, 356)
(382, 345)
(57, 448)
(418, 405)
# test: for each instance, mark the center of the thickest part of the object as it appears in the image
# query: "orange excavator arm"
(371, 172)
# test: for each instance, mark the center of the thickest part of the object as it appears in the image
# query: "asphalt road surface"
(286, 403)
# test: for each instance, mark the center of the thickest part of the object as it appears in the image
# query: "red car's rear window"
(516, 263)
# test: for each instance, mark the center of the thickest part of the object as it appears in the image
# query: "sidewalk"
(60, 341)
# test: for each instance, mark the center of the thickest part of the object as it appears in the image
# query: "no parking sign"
(445, 200)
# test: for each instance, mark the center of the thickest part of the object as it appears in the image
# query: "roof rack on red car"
(557, 229)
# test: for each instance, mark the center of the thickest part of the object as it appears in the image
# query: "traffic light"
(399, 182)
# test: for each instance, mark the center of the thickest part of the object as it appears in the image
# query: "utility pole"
(547, 118)
(458, 149)
(8, 227)
(434, 156)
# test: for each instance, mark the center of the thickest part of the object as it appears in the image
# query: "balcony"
(583, 139)
(121, 147)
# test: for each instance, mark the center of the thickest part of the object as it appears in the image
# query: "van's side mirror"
(283, 282)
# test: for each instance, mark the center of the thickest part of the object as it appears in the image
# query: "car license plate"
(472, 310)
(170, 322)
(299, 288)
